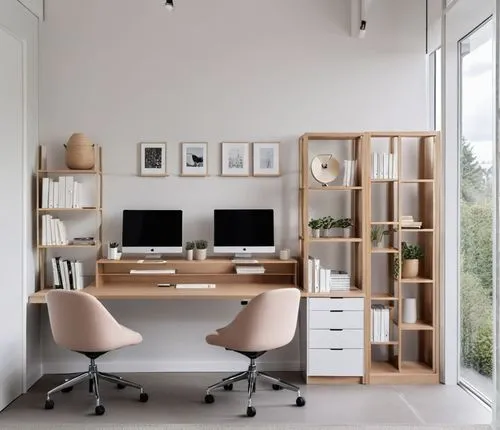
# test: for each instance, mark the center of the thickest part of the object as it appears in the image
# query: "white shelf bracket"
(359, 17)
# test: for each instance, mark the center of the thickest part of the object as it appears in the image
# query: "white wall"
(125, 71)
(34, 6)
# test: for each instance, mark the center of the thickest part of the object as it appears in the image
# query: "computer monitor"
(152, 232)
(244, 231)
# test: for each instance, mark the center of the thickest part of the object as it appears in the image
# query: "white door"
(16, 137)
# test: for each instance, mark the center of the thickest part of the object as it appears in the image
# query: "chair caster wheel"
(277, 387)
(67, 390)
(300, 401)
(143, 397)
(99, 410)
(251, 412)
(209, 398)
(120, 386)
(228, 387)
(49, 404)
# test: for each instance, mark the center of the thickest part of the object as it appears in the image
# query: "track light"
(169, 4)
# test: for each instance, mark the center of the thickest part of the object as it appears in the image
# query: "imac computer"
(244, 231)
(152, 232)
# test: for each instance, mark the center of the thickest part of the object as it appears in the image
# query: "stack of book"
(408, 222)
(63, 193)
(67, 274)
(380, 323)
(250, 270)
(53, 231)
(83, 241)
(323, 280)
(349, 173)
(384, 166)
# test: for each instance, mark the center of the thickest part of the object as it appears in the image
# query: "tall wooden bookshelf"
(411, 355)
(45, 252)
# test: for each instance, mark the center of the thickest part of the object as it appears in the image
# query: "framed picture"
(194, 159)
(266, 159)
(153, 159)
(235, 159)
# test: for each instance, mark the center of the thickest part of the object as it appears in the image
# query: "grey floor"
(176, 398)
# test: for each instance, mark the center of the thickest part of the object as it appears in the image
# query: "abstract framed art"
(235, 159)
(194, 159)
(153, 159)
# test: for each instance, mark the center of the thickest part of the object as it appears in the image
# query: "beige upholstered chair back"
(81, 323)
(268, 322)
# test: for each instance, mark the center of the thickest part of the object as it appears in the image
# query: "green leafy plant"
(201, 244)
(411, 251)
(378, 233)
(315, 224)
(328, 222)
(343, 223)
(189, 246)
(113, 245)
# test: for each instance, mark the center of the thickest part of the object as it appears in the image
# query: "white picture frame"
(266, 159)
(194, 160)
(153, 159)
(235, 159)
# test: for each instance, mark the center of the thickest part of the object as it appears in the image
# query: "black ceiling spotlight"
(169, 4)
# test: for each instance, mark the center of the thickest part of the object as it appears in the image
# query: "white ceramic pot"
(200, 254)
(113, 254)
(189, 254)
(315, 232)
(347, 232)
(410, 311)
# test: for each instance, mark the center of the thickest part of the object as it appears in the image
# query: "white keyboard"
(244, 261)
(195, 286)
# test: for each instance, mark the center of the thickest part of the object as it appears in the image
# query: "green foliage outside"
(476, 278)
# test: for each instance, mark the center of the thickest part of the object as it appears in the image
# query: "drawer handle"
(336, 310)
(336, 349)
(336, 329)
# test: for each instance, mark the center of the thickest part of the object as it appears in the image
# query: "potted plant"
(189, 250)
(377, 236)
(328, 223)
(315, 225)
(200, 252)
(346, 225)
(113, 253)
(411, 254)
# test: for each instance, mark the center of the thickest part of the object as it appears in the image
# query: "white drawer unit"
(336, 319)
(336, 362)
(327, 304)
(336, 338)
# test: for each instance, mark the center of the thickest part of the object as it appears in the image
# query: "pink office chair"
(268, 322)
(81, 323)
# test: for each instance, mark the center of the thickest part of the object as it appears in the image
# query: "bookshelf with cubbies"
(404, 206)
(57, 214)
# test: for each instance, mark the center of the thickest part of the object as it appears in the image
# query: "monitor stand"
(152, 257)
(244, 258)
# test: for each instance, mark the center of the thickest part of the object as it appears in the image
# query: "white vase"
(315, 232)
(113, 254)
(410, 311)
(189, 254)
(347, 232)
(200, 254)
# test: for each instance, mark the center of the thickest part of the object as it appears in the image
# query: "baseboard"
(162, 366)
(32, 377)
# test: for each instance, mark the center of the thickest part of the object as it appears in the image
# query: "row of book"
(63, 193)
(53, 231)
(323, 280)
(380, 323)
(384, 166)
(67, 274)
(349, 173)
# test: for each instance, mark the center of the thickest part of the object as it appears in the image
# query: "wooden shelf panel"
(415, 367)
(353, 292)
(333, 239)
(417, 230)
(383, 180)
(383, 296)
(417, 181)
(417, 280)
(383, 367)
(178, 275)
(69, 209)
(181, 260)
(71, 172)
(418, 326)
(390, 342)
(332, 136)
(403, 133)
(97, 244)
(384, 223)
(333, 188)
(385, 250)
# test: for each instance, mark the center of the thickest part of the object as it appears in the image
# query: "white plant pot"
(410, 311)
(315, 232)
(113, 254)
(200, 254)
(379, 244)
(189, 254)
(347, 232)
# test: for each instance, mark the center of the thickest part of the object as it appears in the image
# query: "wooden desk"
(222, 291)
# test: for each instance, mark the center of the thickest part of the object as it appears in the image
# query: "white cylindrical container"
(113, 253)
(285, 254)
(410, 311)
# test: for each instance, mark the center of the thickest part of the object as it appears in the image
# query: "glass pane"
(476, 209)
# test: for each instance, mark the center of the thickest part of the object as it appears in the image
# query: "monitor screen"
(152, 231)
(244, 230)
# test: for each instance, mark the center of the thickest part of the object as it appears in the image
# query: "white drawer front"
(326, 304)
(342, 319)
(336, 338)
(344, 362)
